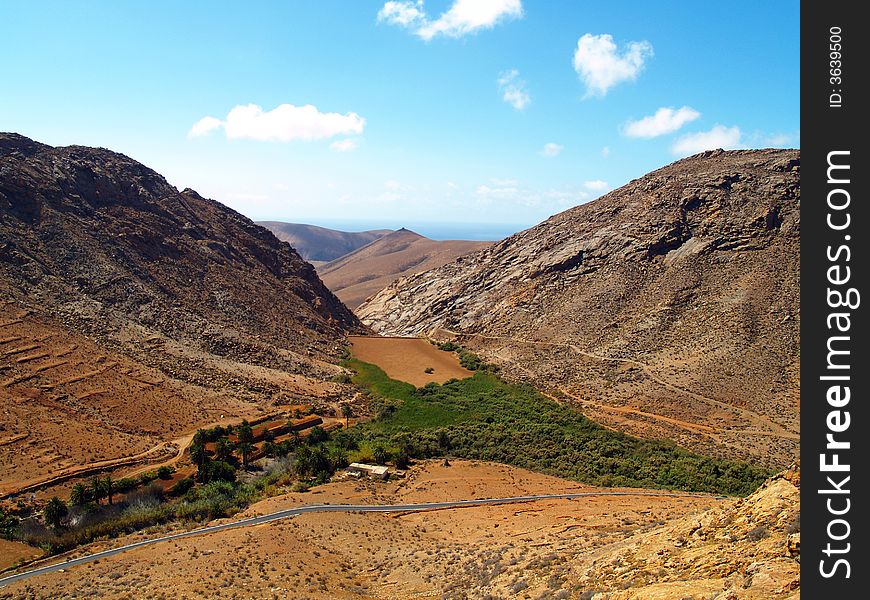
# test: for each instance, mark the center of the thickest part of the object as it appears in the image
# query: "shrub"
(343, 378)
(380, 454)
(164, 472)
(485, 418)
(125, 484)
(757, 534)
(402, 460)
(470, 361)
(8, 524)
(218, 470)
(181, 487)
(317, 435)
(794, 526)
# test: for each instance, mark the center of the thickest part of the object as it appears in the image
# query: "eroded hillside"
(667, 308)
(131, 312)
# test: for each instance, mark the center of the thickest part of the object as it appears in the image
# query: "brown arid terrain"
(131, 314)
(667, 308)
(408, 359)
(365, 271)
(319, 245)
(603, 548)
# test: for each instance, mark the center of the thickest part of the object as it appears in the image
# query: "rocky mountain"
(358, 275)
(131, 313)
(105, 242)
(667, 308)
(319, 244)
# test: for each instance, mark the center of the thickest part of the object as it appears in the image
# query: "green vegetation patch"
(485, 418)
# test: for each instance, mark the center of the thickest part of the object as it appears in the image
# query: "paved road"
(292, 512)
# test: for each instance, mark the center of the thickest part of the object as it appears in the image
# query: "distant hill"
(319, 244)
(667, 308)
(360, 274)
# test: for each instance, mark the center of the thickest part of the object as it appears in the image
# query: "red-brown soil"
(407, 359)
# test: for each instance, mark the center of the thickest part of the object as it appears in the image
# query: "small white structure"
(360, 469)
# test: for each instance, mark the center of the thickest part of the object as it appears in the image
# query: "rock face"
(106, 244)
(669, 307)
(744, 549)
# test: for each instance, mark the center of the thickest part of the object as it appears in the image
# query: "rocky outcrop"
(688, 275)
(744, 549)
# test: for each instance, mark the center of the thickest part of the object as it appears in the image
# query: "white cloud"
(665, 120)
(600, 65)
(344, 145)
(596, 185)
(605, 152)
(509, 191)
(247, 197)
(552, 149)
(282, 124)
(404, 14)
(462, 18)
(204, 126)
(718, 137)
(775, 140)
(393, 185)
(513, 89)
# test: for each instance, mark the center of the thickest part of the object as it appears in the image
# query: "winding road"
(311, 508)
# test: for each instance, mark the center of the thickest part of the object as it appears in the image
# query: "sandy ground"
(12, 552)
(407, 359)
(451, 553)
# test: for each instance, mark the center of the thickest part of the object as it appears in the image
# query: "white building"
(359, 469)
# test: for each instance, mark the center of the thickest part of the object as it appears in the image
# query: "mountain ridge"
(321, 244)
(361, 273)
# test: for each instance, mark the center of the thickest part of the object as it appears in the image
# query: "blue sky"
(420, 112)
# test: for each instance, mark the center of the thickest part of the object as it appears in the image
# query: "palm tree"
(245, 449)
(245, 433)
(303, 461)
(223, 449)
(78, 495)
(54, 512)
(347, 413)
(97, 489)
(198, 453)
(108, 487)
(380, 454)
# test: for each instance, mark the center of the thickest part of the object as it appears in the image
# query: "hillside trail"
(767, 427)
